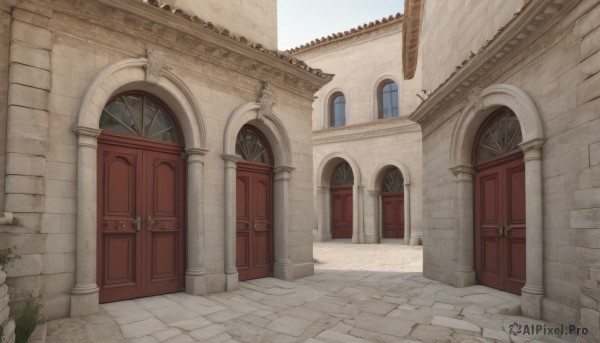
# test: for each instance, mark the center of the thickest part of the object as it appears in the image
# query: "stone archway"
(149, 75)
(375, 192)
(324, 173)
(481, 104)
(274, 131)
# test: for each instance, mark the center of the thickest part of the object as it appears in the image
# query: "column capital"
(374, 192)
(195, 151)
(283, 169)
(231, 158)
(532, 149)
(323, 188)
(86, 131)
(461, 169)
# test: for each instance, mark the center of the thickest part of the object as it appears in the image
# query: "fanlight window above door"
(251, 146)
(139, 115)
(393, 182)
(500, 136)
(342, 176)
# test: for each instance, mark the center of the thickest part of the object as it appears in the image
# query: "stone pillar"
(533, 291)
(195, 278)
(84, 296)
(360, 216)
(323, 214)
(410, 237)
(375, 237)
(282, 268)
(230, 221)
(7, 324)
(464, 273)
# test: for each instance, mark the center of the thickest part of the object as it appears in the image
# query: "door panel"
(341, 212)
(392, 215)
(500, 224)
(138, 256)
(164, 253)
(254, 203)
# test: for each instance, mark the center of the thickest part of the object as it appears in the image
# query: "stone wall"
(254, 19)
(452, 33)
(6, 324)
(559, 70)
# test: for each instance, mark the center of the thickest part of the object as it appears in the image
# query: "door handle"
(138, 223)
(500, 231)
(506, 229)
(149, 223)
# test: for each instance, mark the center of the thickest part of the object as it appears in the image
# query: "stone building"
(367, 154)
(150, 150)
(511, 149)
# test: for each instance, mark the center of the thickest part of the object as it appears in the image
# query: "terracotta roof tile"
(358, 29)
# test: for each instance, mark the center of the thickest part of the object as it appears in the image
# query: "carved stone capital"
(195, 151)
(282, 169)
(86, 131)
(231, 158)
(461, 169)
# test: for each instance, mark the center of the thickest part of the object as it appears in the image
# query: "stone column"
(464, 274)
(360, 215)
(282, 268)
(376, 198)
(195, 278)
(323, 215)
(533, 291)
(84, 296)
(230, 221)
(410, 237)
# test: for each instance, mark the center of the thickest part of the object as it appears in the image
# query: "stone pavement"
(359, 293)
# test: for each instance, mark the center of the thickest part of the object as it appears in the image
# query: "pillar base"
(464, 278)
(85, 304)
(322, 238)
(372, 239)
(196, 284)
(531, 303)
(283, 271)
(232, 280)
(415, 240)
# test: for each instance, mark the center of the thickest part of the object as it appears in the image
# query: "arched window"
(342, 175)
(337, 110)
(387, 100)
(252, 146)
(499, 135)
(393, 182)
(139, 115)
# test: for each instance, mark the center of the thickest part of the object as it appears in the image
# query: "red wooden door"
(392, 215)
(500, 223)
(341, 212)
(138, 186)
(254, 226)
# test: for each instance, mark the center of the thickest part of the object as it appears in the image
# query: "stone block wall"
(6, 323)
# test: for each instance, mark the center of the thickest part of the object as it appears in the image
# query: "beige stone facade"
(66, 59)
(539, 59)
(363, 59)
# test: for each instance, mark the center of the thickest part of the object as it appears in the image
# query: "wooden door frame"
(108, 138)
(383, 196)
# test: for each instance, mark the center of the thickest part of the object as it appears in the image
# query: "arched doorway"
(500, 203)
(141, 223)
(342, 180)
(392, 205)
(254, 205)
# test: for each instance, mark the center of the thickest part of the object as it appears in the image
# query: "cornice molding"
(189, 35)
(361, 131)
(529, 24)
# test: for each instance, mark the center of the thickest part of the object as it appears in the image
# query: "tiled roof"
(204, 25)
(359, 29)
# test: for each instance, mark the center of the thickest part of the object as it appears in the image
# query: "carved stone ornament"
(266, 101)
(157, 65)
(476, 99)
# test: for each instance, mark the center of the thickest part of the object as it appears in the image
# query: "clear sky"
(300, 21)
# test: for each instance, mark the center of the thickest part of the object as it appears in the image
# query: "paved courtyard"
(359, 293)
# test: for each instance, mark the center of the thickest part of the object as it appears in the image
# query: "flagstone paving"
(359, 293)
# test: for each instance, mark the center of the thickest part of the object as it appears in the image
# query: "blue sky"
(300, 21)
